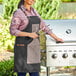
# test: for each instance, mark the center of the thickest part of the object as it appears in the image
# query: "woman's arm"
(32, 35)
(16, 23)
(49, 31)
(15, 31)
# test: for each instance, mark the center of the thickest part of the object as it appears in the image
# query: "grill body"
(61, 54)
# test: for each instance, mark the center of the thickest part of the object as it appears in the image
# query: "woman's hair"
(20, 3)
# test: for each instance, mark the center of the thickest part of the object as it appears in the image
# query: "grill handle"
(68, 41)
(58, 42)
(65, 41)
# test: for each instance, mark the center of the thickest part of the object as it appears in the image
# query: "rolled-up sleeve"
(15, 23)
(45, 28)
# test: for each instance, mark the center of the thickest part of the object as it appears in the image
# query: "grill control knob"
(54, 56)
(65, 55)
(74, 55)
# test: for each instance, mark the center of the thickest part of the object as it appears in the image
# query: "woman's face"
(29, 2)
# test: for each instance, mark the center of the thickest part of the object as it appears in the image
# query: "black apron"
(27, 50)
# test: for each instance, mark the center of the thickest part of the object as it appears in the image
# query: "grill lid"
(65, 29)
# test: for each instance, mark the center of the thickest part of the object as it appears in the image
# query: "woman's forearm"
(24, 34)
(32, 35)
(55, 37)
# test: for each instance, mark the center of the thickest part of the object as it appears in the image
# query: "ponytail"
(20, 3)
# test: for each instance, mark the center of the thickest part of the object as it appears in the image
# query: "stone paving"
(5, 55)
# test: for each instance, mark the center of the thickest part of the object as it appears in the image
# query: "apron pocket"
(33, 52)
(20, 55)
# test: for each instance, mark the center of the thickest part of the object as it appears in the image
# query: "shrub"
(6, 68)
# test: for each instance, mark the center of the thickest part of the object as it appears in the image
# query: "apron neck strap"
(23, 11)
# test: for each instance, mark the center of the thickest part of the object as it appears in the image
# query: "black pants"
(31, 74)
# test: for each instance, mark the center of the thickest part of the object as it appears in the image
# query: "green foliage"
(7, 68)
(48, 9)
(6, 40)
(1, 1)
(9, 6)
(69, 66)
(68, 0)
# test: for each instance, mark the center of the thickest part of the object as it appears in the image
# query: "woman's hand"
(59, 40)
(33, 35)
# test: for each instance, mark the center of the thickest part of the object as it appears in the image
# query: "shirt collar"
(25, 9)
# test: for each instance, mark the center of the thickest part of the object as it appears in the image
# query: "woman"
(25, 24)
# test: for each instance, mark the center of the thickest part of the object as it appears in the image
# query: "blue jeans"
(31, 74)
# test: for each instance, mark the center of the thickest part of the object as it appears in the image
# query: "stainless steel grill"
(61, 54)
